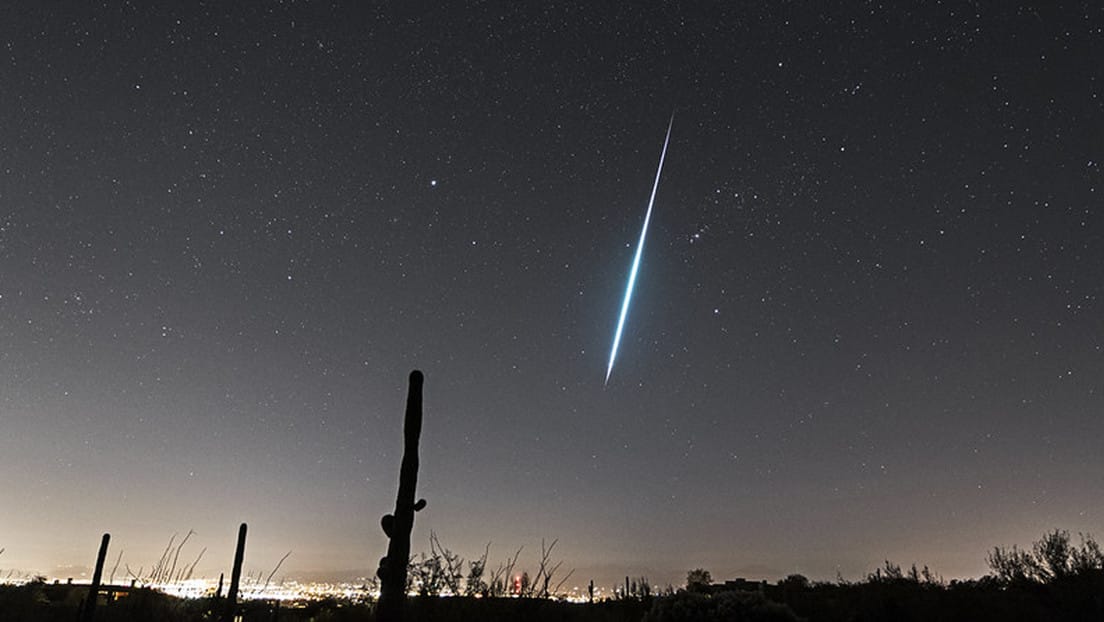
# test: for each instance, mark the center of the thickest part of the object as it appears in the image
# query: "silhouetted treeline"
(38, 601)
(41, 602)
(1055, 579)
(980, 600)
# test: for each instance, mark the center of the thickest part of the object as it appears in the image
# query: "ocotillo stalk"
(94, 589)
(235, 577)
(397, 526)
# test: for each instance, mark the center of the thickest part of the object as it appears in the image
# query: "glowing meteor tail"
(636, 258)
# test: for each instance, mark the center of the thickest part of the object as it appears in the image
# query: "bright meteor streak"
(636, 258)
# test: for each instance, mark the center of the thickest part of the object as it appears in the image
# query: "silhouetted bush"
(794, 582)
(39, 602)
(698, 580)
(22, 602)
(1054, 580)
(1053, 558)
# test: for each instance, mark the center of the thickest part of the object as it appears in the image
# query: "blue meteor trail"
(636, 259)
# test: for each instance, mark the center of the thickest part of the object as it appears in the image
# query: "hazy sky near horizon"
(867, 322)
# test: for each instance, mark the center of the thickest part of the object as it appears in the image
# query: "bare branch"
(563, 580)
(475, 585)
(111, 579)
(155, 574)
(176, 556)
(191, 568)
(509, 569)
(278, 564)
(453, 570)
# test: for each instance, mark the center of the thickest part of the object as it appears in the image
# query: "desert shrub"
(1053, 558)
(698, 580)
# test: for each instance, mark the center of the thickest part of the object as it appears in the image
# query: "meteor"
(636, 258)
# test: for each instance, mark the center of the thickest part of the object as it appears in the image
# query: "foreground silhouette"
(397, 526)
(887, 594)
(1053, 579)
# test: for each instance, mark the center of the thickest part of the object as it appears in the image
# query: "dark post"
(235, 577)
(397, 526)
(94, 589)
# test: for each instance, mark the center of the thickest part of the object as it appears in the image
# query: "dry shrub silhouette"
(1052, 558)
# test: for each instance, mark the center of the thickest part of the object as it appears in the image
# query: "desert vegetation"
(1058, 577)
(1055, 578)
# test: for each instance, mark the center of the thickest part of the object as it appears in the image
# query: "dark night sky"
(867, 324)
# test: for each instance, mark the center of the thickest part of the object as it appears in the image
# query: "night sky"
(868, 321)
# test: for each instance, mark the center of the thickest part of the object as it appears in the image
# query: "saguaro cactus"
(397, 526)
(94, 589)
(235, 577)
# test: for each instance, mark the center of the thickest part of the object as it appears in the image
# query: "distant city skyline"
(867, 323)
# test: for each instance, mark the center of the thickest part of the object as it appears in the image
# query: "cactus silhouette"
(235, 577)
(94, 589)
(392, 570)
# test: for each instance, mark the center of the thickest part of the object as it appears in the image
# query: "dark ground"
(1073, 599)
